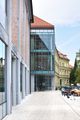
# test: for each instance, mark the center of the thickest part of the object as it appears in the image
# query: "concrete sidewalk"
(43, 106)
(74, 103)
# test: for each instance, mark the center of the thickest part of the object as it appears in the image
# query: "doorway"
(42, 82)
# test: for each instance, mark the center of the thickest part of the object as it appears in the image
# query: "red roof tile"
(39, 23)
(61, 55)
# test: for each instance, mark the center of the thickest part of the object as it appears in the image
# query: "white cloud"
(58, 11)
(61, 13)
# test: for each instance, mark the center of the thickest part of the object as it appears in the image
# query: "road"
(44, 106)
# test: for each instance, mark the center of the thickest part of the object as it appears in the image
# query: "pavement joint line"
(52, 107)
(72, 108)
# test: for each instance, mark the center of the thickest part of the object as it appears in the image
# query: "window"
(41, 61)
(21, 65)
(3, 99)
(42, 40)
(42, 46)
(62, 64)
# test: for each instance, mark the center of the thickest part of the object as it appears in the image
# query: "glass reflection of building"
(3, 85)
(3, 99)
(42, 56)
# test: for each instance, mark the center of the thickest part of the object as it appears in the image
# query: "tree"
(72, 79)
(77, 74)
(72, 76)
(75, 65)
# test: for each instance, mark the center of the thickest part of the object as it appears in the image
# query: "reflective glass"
(2, 79)
(42, 82)
(42, 41)
(42, 58)
(42, 61)
(4, 110)
(21, 79)
(0, 112)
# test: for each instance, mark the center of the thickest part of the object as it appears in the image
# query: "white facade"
(17, 80)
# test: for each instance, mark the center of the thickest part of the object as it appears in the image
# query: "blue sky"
(65, 15)
(67, 39)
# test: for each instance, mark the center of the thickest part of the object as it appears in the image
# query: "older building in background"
(42, 55)
(62, 69)
(16, 16)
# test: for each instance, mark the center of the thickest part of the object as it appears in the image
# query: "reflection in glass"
(4, 109)
(41, 61)
(2, 80)
(42, 82)
(42, 40)
(42, 58)
(0, 112)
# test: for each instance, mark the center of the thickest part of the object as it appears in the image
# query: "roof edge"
(43, 25)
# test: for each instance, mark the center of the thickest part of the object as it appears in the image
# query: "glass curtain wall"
(42, 58)
(3, 98)
(42, 50)
(41, 61)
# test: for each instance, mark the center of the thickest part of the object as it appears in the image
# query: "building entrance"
(42, 83)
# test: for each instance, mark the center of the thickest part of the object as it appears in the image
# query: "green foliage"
(77, 74)
(75, 65)
(72, 74)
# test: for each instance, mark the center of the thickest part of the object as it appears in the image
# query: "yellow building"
(62, 69)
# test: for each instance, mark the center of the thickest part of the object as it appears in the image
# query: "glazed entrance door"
(42, 83)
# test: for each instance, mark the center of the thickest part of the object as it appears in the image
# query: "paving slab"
(48, 105)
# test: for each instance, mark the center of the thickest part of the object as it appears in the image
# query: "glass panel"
(42, 82)
(40, 61)
(2, 72)
(4, 110)
(2, 78)
(0, 112)
(42, 41)
(21, 79)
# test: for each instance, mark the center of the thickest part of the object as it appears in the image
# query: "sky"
(65, 16)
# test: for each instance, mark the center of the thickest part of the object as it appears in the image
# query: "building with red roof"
(42, 55)
(40, 24)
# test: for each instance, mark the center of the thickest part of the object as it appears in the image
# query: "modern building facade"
(78, 59)
(16, 16)
(62, 69)
(42, 55)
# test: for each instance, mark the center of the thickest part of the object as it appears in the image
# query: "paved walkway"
(43, 106)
